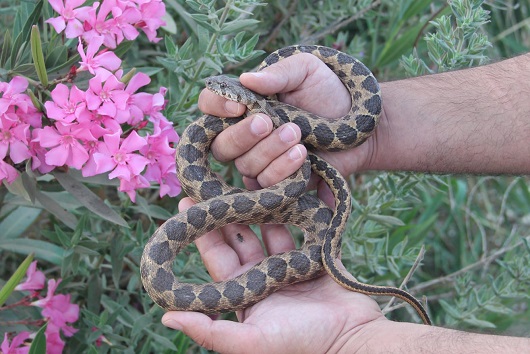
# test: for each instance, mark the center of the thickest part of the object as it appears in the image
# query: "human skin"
(468, 121)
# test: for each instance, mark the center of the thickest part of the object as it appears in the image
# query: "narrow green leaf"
(171, 25)
(56, 55)
(123, 48)
(62, 237)
(386, 219)
(238, 25)
(15, 279)
(42, 249)
(25, 33)
(38, 346)
(18, 221)
(38, 56)
(56, 209)
(6, 49)
(88, 199)
(94, 292)
(450, 310)
(166, 343)
(141, 323)
(170, 46)
(479, 323)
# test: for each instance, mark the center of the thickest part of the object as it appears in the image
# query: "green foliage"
(462, 241)
(457, 40)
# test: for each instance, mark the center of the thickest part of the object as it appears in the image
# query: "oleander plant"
(94, 95)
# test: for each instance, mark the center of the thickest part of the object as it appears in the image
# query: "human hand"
(316, 316)
(265, 157)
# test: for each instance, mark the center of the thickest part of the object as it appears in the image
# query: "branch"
(482, 262)
(338, 25)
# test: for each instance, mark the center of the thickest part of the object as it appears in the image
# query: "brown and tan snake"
(284, 203)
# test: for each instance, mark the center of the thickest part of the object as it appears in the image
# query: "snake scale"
(219, 204)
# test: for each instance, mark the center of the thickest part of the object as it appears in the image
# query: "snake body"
(284, 203)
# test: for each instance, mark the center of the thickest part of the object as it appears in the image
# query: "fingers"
(220, 336)
(240, 138)
(261, 154)
(210, 103)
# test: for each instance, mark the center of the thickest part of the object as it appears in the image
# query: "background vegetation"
(472, 232)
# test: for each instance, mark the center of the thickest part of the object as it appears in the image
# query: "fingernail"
(259, 125)
(295, 153)
(232, 107)
(256, 74)
(287, 134)
(172, 324)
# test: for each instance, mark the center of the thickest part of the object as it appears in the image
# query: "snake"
(287, 202)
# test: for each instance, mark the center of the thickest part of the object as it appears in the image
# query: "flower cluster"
(110, 127)
(56, 309)
(112, 20)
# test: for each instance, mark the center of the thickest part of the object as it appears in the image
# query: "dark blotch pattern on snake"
(286, 202)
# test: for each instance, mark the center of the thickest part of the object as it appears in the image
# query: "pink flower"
(107, 98)
(100, 64)
(54, 342)
(58, 310)
(7, 172)
(130, 186)
(120, 157)
(152, 13)
(133, 112)
(35, 279)
(124, 20)
(14, 139)
(97, 25)
(15, 347)
(12, 94)
(67, 105)
(64, 143)
(161, 154)
(69, 17)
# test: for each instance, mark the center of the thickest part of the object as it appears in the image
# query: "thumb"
(283, 76)
(220, 336)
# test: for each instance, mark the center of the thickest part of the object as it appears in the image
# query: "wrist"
(386, 336)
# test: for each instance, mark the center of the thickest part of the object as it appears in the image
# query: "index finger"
(210, 103)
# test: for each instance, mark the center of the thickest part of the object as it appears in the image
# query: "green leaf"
(18, 221)
(38, 346)
(450, 309)
(25, 33)
(6, 49)
(238, 25)
(30, 185)
(386, 219)
(171, 48)
(123, 48)
(56, 209)
(42, 249)
(162, 340)
(15, 279)
(479, 323)
(56, 57)
(141, 323)
(171, 25)
(38, 56)
(88, 199)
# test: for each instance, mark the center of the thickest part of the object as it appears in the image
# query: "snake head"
(231, 89)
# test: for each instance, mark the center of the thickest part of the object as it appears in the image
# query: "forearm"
(467, 121)
(394, 337)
